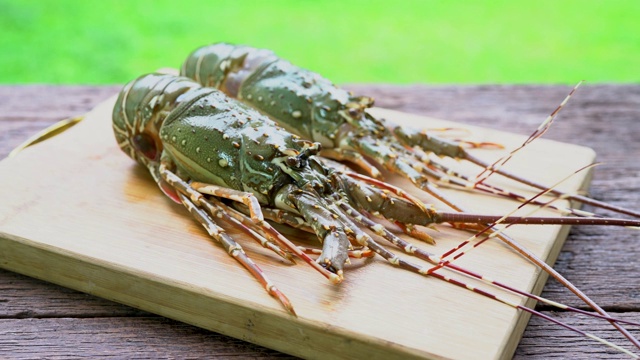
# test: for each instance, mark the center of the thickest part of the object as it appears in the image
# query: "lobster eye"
(145, 145)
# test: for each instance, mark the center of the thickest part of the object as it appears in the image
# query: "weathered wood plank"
(541, 341)
(122, 338)
(157, 337)
(31, 108)
(23, 297)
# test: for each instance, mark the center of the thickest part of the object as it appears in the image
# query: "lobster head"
(140, 110)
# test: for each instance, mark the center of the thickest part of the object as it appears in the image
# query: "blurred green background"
(499, 41)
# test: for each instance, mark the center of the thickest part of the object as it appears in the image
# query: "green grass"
(98, 42)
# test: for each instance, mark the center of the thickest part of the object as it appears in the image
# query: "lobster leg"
(256, 215)
(332, 233)
(355, 253)
(231, 246)
(391, 158)
(353, 157)
(290, 219)
(279, 216)
(287, 218)
(245, 223)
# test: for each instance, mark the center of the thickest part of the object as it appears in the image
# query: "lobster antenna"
(423, 255)
(534, 312)
(433, 259)
(365, 240)
(457, 217)
(544, 266)
(546, 124)
(450, 178)
(496, 167)
(459, 181)
(575, 197)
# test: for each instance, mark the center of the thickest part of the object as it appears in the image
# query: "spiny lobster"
(311, 106)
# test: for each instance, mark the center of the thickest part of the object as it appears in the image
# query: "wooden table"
(38, 319)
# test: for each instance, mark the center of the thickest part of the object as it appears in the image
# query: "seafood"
(224, 160)
(311, 106)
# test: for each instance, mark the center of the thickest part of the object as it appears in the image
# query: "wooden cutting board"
(76, 211)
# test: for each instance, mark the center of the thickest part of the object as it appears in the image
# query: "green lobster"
(309, 105)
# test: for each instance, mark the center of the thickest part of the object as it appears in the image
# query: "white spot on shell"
(223, 163)
(296, 114)
(378, 228)
(224, 65)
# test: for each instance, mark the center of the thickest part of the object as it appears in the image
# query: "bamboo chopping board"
(77, 212)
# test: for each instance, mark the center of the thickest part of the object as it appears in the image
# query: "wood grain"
(520, 108)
